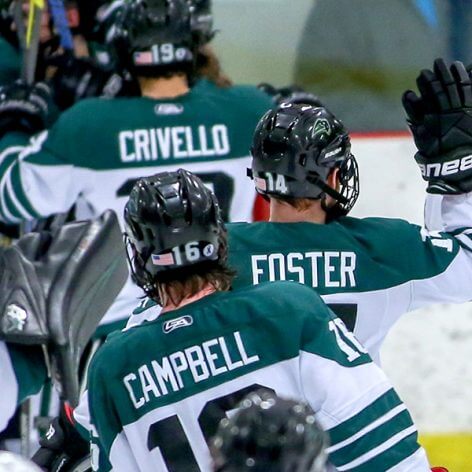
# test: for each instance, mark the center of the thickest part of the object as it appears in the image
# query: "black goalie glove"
(24, 107)
(441, 122)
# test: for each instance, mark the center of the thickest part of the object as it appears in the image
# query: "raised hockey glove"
(62, 446)
(290, 94)
(441, 122)
(79, 78)
(24, 107)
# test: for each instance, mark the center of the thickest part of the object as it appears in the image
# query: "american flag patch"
(260, 183)
(163, 259)
(142, 58)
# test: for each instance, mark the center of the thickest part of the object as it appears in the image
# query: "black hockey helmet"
(152, 37)
(172, 221)
(270, 434)
(202, 21)
(295, 148)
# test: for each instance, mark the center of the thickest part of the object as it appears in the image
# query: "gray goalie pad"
(55, 287)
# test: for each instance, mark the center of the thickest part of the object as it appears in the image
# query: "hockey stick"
(25, 428)
(19, 23)
(29, 38)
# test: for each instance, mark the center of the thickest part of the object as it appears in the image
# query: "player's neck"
(204, 292)
(281, 212)
(171, 87)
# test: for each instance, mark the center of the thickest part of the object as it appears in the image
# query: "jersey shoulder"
(83, 109)
(381, 233)
(374, 232)
(282, 299)
(144, 306)
(269, 311)
(242, 234)
(247, 96)
(147, 310)
(377, 223)
(82, 118)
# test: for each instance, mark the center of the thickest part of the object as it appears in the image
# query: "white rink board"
(428, 354)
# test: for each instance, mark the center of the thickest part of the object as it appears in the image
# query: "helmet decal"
(321, 128)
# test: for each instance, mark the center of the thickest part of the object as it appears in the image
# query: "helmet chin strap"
(335, 210)
(332, 212)
(314, 179)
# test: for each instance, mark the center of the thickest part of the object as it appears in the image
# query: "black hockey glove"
(62, 446)
(24, 107)
(78, 78)
(290, 94)
(441, 122)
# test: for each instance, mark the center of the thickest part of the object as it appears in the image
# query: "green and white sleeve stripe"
(15, 204)
(378, 437)
(11, 209)
(34, 182)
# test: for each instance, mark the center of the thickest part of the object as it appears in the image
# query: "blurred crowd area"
(358, 56)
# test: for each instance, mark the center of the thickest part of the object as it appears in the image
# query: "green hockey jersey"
(157, 391)
(99, 148)
(370, 271)
(22, 373)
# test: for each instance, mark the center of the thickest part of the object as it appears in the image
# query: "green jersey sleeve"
(370, 428)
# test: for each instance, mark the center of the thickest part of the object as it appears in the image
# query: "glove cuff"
(448, 173)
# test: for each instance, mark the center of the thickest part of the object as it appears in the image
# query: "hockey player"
(269, 433)
(370, 271)
(157, 391)
(98, 148)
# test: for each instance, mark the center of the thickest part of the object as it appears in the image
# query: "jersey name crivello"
(313, 268)
(178, 142)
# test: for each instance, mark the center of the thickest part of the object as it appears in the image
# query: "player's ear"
(333, 178)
